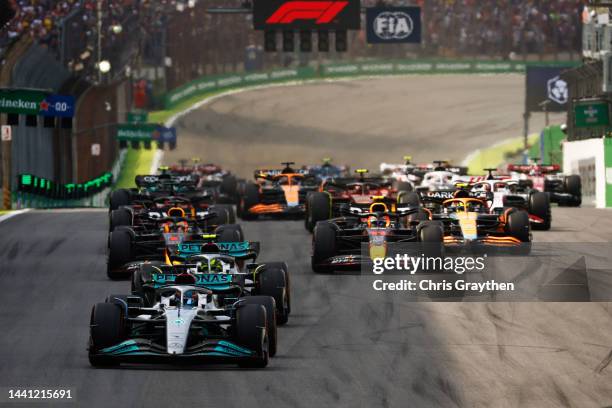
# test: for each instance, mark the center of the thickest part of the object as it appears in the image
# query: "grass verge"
(137, 161)
(497, 154)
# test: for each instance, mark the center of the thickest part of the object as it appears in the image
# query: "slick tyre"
(224, 214)
(120, 217)
(539, 205)
(141, 277)
(318, 208)
(118, 198)
(119, 252)
(229, 186)
(249, 199)
(270, 305)
(252, 333)
(274, 282)
(573, 185)
(107, 328)
(323, 246)
(229, 233)
(517, 225)
(410, 198)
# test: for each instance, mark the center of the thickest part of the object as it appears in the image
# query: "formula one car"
(205, 258)
(187, 324)
(338, 243)
(327, 170)
(276, 192)
(154, 186)
(137, 243)
(414, 175)
(501, 193)
(565, 190)
(336, 195)
(469, 222)
(147, 213)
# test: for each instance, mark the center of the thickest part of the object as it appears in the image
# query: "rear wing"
(526, 168)
(238, 250)
(266, 173)
(148, 180)
(212, 281)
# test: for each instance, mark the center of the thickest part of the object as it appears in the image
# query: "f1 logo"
(323, 12)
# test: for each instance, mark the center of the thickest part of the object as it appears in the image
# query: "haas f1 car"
(565, 190)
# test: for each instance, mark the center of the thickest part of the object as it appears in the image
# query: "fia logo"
(393, 25)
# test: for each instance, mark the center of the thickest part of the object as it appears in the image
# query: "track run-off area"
(345, 344)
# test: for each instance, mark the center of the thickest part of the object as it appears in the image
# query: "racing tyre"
(107, 328)
(573, 185)
(142, 276)
(248, 200)
(323, 246)
(418, 216)
(229, 186)
(119, 252)
(402, 186)
(318, 208)
(539, 205)
(270, 305)
(409, 197)
(229, 233)
(251, 332)
(224, 214)
(431, 237)
(120, 217)
(517, 225)
(274, 282)
(118, 198)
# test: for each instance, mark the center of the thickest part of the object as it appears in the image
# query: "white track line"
(12, 214)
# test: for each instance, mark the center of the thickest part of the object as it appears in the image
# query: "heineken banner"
(130, 132)
(32, 102)
(146, 132)
(216, 83)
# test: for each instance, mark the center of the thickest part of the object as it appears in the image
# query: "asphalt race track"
(357, 122)
(345, 345)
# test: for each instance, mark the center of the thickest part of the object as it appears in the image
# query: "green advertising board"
(594, 113)
(137, 117)
(21, 101)
(215, 83)
(131, 132)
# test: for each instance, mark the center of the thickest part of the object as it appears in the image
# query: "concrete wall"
(586, 158)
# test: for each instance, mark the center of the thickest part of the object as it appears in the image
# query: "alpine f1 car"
(193, 320)
(327, 170)
(276, 192)
(337, 195)
(565, 190)
(339, 243)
